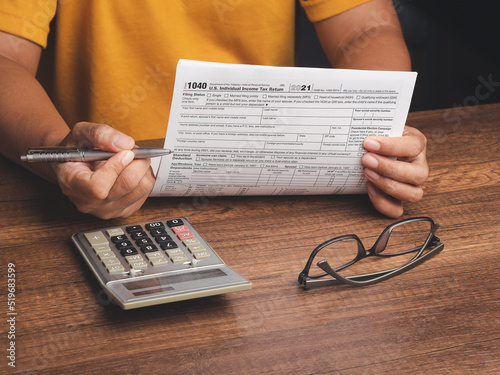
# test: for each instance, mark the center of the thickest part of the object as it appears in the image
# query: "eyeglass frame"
(378, 247)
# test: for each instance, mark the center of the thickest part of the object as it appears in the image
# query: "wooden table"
(441, 317)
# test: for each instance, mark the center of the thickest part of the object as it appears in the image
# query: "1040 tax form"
(260, 130)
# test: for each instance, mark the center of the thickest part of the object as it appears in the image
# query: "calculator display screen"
(164, 281)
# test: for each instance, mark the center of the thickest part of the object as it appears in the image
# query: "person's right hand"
(116, 187)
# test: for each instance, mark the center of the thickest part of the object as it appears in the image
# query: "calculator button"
(133, 228)
(163, 238)
(191, 241)
(159, 261)
(196, 247)
(156, 254)
(123, 245)
(115, 268)
(105, 255)
(140, 264)
(155, 225)
(174, 222)
(168, 245)
(174, 252)
(98, 248)
(120, 238)
(144, 241)
(136, 235)
(149, 248)
(133, 258)
(185, 235)
(201, 254)
(179, 229)
(110, 261)
(178, 258)
(129, 251)
(157, 231)
(115, 232)
(96, 238)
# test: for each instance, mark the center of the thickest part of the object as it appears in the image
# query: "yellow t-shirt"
(114, 61)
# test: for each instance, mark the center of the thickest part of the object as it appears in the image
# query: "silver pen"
(69, 154)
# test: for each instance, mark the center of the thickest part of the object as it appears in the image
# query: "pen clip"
(51, 149)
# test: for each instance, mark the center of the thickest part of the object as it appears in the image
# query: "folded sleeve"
(28, 19)
(319, 10)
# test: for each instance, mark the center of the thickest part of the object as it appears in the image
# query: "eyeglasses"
(401, 246)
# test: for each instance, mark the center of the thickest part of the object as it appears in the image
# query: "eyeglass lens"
(401, 246)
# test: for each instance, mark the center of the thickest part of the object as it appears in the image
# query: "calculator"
(156, 262)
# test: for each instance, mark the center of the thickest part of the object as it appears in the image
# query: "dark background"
(454, 47)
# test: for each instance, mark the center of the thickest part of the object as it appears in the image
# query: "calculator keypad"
(136, 248)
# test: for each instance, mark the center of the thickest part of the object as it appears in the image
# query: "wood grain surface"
(443, 317)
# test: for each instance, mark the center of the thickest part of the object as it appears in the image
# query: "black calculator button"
(174, 223)
(133, 228)
(157, 231)
(155, 225)
(148, 248)
(168, 245)
(119, 238)
(123, 245)
(144, 241)
(129, 251)
(140, 234)
(163, 238)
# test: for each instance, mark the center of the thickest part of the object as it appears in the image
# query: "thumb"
(102, 136)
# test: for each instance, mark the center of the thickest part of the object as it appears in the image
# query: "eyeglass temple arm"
(323, 264)
(371, 278)
(325, 282)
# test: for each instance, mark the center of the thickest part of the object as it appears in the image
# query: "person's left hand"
(392, 182)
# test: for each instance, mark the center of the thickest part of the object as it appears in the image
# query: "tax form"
(260, 130)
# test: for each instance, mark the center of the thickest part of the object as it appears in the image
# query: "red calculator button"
(180, 228)
(185, 235)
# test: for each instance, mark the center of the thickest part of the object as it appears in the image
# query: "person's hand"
(392, 182)
(116, 187)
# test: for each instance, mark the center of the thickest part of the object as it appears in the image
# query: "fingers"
(384, 203)
(104, 137)
(396, 168)
(409, 145)
(132, 180)
(117, 188)
(105, 178)
(396, 189)
(413, 172)
(131, 189)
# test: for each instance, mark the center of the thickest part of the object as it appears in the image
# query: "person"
(113, 73)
